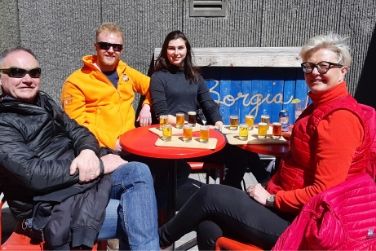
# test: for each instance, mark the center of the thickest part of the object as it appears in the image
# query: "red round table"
(277, 150)
(140, 141)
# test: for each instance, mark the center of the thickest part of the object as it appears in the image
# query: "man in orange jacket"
(100, 95)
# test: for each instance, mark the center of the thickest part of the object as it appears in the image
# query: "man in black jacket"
(54, 177)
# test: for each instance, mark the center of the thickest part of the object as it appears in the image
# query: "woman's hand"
(258, 193)
(287, 135)
(218, 125)
(171, 119)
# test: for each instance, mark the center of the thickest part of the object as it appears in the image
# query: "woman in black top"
(177, 86)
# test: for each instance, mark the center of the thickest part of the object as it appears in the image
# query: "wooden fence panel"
(249, 90)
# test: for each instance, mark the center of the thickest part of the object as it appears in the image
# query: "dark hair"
(191, 72)
(6, 52)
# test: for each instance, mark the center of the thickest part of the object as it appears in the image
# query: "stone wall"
(60, 32)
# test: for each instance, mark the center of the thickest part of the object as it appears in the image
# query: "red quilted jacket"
(297, 170)
(341, 218)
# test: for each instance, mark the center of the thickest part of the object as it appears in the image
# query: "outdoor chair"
(18, 241)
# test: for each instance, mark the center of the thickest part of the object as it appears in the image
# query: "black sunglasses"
(106, 46)
(15, 72)
(322, 67)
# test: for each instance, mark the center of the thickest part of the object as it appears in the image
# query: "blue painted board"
(246, 90)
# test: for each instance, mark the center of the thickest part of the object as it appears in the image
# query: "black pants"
(237, 161)
(217, 210)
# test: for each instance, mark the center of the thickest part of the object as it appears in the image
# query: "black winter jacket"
(37, 145)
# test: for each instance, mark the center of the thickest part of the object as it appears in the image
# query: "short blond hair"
(331, 41)
(109, 27)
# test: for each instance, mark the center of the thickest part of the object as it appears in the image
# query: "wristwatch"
(270, 201)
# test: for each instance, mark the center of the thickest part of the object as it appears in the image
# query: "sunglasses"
(106, 46)
(15, 72)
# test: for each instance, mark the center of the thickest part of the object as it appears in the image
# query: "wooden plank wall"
(255, 91)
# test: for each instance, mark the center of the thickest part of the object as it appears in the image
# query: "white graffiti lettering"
(255, 100)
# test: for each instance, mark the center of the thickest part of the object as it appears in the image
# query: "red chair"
(17, 241)
(207, 167)
(224, 243)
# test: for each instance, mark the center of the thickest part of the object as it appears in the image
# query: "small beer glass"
(234, 122)
(187, 132)
(249, 120)
(166, 132)
(162, 121)
(262, 129)
(277, 129)
(192, 120)
(179, 120)
(265, 118)
(204, 134)
(243, 132)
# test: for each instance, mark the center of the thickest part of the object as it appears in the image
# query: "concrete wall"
(60, 32)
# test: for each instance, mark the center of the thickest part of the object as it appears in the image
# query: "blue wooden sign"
(242, 90)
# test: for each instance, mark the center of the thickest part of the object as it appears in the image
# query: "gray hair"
(6, 52)
(331, 41)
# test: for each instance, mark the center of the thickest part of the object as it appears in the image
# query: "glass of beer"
(204, 133)
(187, 132)
(192, 120)
(166, 132)
(162, 121)
(249, 120)
(179, 120)
(234, 122)
(243, 132)
(262, 129)
(265, 118)
(277, 129)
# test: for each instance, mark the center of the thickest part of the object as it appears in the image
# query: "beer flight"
(243, 129)
(262, 127)
(166, 128)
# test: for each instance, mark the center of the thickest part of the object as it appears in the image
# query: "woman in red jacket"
(327, 145)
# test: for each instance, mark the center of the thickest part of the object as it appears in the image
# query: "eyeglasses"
(15, 72)
(106, 46)
(322, 67)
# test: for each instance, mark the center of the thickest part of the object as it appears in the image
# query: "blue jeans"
(131, 214)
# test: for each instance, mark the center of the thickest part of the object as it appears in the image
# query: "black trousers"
(218, 210)
(237, 162)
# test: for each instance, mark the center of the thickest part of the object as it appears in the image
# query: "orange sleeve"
(141, 84)
(338, 136)
(73, 103)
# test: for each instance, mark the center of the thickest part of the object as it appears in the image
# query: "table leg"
(172, 184)
(171, 200)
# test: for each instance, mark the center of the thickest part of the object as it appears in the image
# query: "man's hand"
(117, 146)
(87, 165)
(111, 162)
(145, 116)
(258, 193)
